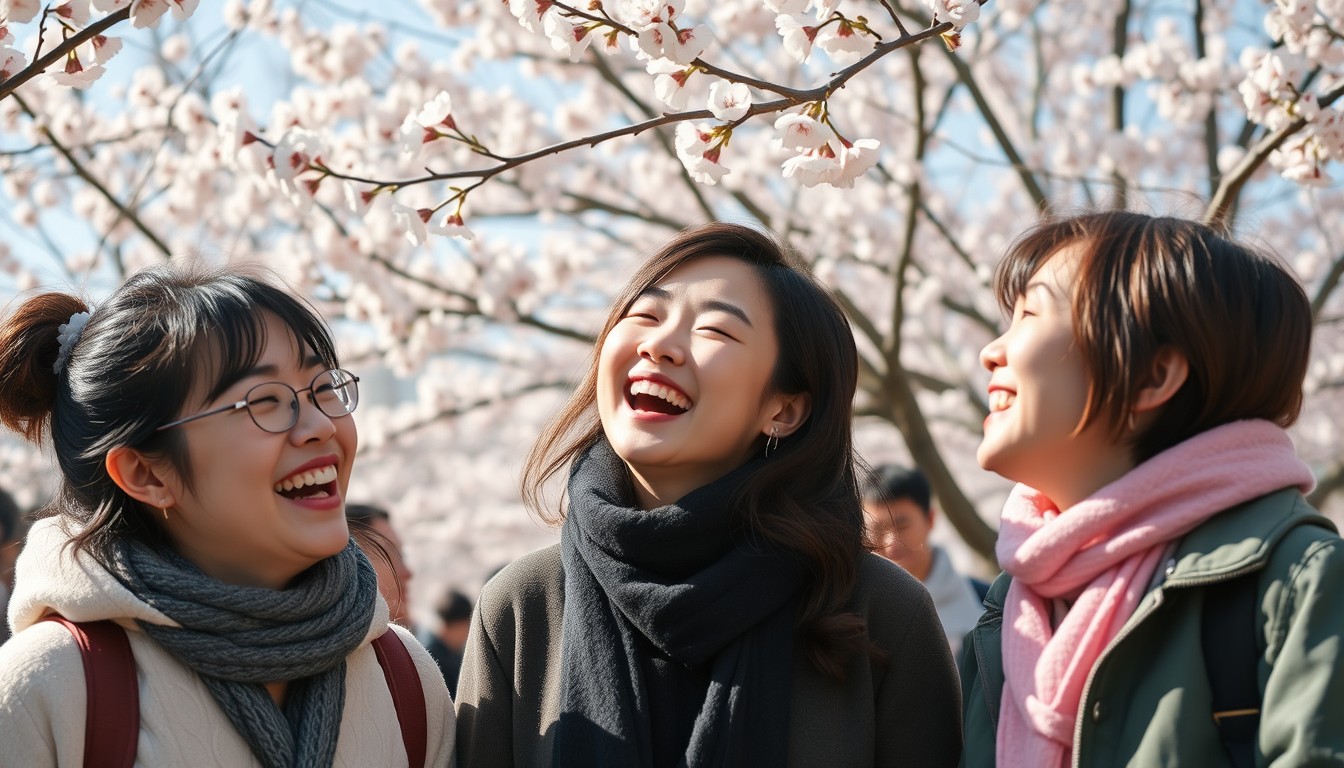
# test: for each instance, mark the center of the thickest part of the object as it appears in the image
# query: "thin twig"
(79, 38)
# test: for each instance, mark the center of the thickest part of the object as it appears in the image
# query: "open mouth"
(1001, 400)
(652, 397)
(313, 484)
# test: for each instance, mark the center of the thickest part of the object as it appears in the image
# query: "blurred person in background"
(11, 541)
(383, 549)
(898, 512)
(449, 637)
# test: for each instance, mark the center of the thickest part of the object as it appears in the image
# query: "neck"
(919, 563)
(1078, 484)
(658, 489)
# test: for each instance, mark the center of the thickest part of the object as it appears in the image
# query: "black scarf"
(685, 579)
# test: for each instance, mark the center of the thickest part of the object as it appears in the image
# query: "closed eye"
(720, 331)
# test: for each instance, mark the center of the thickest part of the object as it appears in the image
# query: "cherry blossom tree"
(462, 183)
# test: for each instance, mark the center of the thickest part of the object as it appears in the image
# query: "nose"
(991, 357)
(663, 344)
(312, 425)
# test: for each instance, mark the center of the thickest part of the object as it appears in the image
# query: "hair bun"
(29, 350)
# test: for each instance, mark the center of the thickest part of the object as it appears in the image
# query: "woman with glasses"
(200, 423)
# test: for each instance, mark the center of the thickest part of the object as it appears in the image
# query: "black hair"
(453, 607)
(10, 517)
(169, 339)
(890, 482)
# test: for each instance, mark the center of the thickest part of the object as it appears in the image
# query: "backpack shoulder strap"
(408, 695)
(1228, 640)
(1227, 635)
(112, 721)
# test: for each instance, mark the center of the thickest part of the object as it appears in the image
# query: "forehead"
(720, 277)
(891, 511)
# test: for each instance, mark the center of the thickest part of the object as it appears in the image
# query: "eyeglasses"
(274, 405)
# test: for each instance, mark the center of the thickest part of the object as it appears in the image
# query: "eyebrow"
(717, 305)
(311, 361)
(1034, 284)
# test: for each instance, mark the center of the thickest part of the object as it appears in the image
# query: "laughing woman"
(1170, 597)
(201, 424)
(710, 602)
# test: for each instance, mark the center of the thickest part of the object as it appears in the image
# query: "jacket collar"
(1240, 539)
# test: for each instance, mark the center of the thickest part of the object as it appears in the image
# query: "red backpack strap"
(408, 696)
(112, 722)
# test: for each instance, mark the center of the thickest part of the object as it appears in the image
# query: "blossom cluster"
(461, 195)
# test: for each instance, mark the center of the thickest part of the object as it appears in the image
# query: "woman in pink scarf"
(1139, 398)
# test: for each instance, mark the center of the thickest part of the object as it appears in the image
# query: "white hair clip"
(67, 336)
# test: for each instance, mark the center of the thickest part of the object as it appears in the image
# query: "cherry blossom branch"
(604, 69)
(794, 98)
(1229, 188)
(92, 180)
(1119, 40)
(1006, 144)
(1211, 118)
(1327, 287)
(79, 38)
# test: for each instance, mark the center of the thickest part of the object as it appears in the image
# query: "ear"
(791, 412)
(142, 479)
(1169, 373)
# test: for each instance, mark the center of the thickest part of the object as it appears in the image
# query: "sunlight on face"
(236, 521)
(683, 376)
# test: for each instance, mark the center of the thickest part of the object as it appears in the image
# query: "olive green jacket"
(1147, 699)
(900, 711)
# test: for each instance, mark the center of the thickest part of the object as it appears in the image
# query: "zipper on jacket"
(1129, 628)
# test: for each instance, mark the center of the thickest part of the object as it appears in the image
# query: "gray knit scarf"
(238, 638)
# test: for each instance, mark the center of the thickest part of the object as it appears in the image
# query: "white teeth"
(646, 387)
(311, 477)
(1000, 400)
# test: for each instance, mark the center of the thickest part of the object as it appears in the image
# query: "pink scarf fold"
(1103, 552)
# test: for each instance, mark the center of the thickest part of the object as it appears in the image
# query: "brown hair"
(138, 360)
(1145, 283)
(805, 499)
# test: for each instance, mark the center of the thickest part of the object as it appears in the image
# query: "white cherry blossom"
(729, 101)
(799, 33)
(800, 131)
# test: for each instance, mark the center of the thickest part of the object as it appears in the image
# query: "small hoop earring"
(163, 507)
(1132, 422)
(772, 442)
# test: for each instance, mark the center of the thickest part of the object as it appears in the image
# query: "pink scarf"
(1102, 553)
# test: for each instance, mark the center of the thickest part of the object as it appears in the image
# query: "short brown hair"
(1144, 283)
